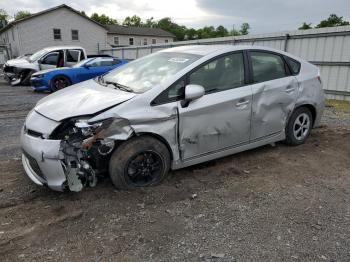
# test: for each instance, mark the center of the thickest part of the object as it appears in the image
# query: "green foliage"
(244, 29)
(22, 14)
(103, 19)
(168, 25)
(305, 26)
(133, 21)
(4, 18)
(331, 21)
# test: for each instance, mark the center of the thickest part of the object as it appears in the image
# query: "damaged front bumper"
(42, 161)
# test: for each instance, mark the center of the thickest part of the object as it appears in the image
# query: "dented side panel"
(273, 102)
(215, 122)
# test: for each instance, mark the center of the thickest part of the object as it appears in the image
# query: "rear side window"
(293, 65)
(73, 56)
(267, 66)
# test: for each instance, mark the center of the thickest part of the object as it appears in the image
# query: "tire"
(139, 162)
(299, 126)
(59, 82)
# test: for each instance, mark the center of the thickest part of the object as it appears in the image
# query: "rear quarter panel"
(310, 90)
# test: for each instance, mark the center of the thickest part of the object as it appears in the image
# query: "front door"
(49, 61)
(221, 118)
(274, 94)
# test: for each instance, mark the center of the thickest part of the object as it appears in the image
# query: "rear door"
(72, 57)
(274, 93)
(221, 118)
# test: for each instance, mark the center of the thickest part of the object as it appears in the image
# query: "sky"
(264, 16)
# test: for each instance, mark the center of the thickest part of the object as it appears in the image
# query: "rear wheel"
(139, 162)
(299, 126)
(59, 82)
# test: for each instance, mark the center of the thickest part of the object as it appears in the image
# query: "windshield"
(83, 62)
(37, 55)
(145, 73)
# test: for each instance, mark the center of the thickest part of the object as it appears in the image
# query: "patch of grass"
(339, 105)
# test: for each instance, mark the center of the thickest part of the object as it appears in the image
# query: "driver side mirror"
(87, 66)
(192, 92)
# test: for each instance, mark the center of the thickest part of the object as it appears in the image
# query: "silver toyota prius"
(168, 110)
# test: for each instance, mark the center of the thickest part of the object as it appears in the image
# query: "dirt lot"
(270, 204)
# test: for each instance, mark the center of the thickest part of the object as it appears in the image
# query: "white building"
(61, 25)
(119, 36)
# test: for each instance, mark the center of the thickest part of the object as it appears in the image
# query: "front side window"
(57, 34)
(75, 35)
(50, 59)
(221, 74)
(131, 41)
(267, 66)
(147, 72)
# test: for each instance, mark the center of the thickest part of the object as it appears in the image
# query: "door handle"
(242, 103)
(290, 89)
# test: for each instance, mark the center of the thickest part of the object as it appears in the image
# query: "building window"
(154, 41)
(75, 35)
(116, 40)
(145, 41)
(166, 40)
(131, 41)
(57, 34)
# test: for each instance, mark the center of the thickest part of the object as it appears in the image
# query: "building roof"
(45, 12)
(133, 30)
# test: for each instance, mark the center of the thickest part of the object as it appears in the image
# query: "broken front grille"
(8, 69)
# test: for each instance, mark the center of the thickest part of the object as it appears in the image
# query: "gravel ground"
(269, 204)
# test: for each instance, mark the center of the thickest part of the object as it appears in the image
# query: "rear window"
(267, 66)
(293, 65)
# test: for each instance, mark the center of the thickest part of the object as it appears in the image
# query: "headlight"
(88, 129)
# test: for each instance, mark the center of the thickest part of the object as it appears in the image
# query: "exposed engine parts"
(84, 154)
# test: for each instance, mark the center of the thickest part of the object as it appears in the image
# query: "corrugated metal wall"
(328, 48)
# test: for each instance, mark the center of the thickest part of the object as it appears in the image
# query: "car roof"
(53, 48)
(204, 50)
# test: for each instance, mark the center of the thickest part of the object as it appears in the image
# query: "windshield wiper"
(119, 86)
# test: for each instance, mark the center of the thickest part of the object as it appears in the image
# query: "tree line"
(181, 32)
(332, 21)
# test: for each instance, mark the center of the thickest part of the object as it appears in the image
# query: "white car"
(18, 71)
(168, 110)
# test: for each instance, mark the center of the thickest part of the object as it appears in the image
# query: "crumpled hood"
(15, 62)
(85, 98)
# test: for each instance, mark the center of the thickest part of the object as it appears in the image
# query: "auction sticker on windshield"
(178, 60)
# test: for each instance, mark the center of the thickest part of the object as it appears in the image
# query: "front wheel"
(139, 162)
(59, 82)
(299, 126)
